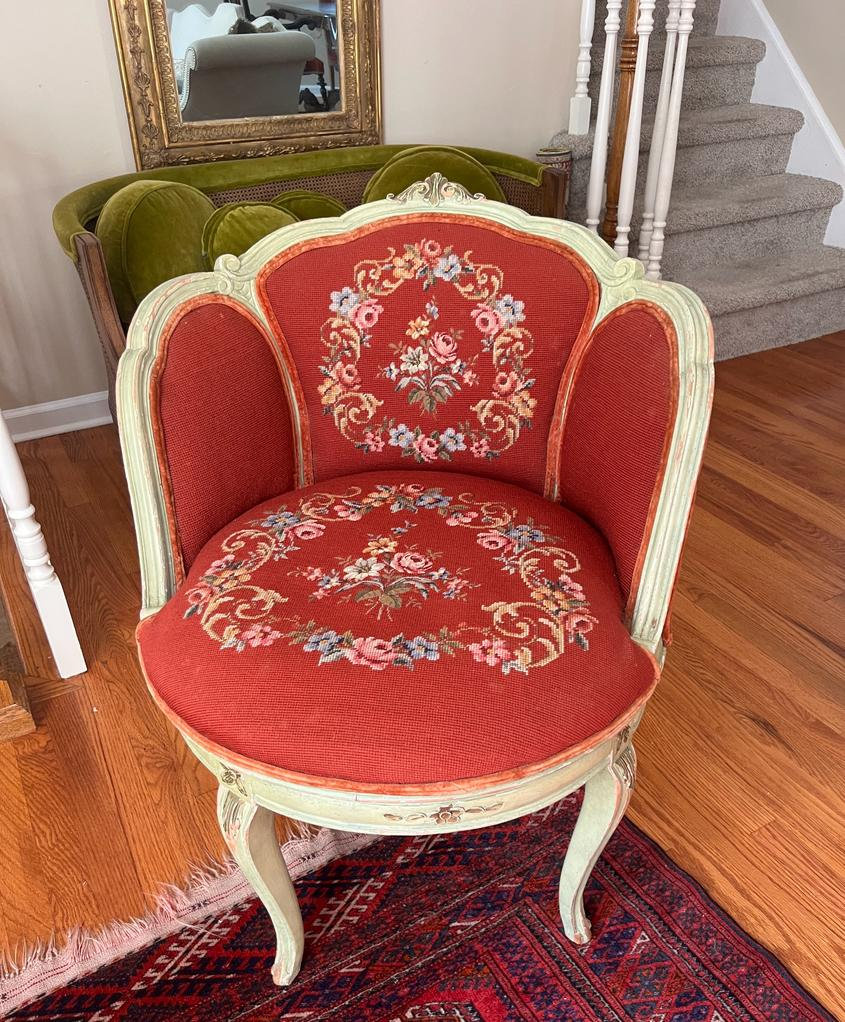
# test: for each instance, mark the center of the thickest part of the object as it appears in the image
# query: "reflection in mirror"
(254, 58)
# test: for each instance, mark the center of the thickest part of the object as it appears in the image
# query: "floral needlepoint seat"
(390, 618)
(410, 488)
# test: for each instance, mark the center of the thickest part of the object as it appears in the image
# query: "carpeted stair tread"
(713, 203)
(708, 126)
(771, 280)
(702, 51)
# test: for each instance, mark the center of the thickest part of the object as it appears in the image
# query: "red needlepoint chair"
(410, 487)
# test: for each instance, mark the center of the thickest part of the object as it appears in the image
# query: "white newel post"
(631, 158)
(46, 588)
(598, 165)
(659, 135)
(580, 104)
(666, 171)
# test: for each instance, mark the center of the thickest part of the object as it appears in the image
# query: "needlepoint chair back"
(434, 332)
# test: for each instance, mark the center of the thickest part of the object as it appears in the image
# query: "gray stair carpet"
(742, 233)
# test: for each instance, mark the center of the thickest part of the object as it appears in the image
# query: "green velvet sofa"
(343, 174)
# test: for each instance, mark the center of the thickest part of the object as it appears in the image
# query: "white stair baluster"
(580, 104)
(666, 172)
(598, 165)
(631, 158)
(659, 133)
(46, 588)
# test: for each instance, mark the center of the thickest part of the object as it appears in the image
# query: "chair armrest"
(633, 428)
(204, 424)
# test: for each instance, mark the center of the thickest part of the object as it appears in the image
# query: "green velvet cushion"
(307, 205)
(237, 226)
(151, 231)
(417, 163)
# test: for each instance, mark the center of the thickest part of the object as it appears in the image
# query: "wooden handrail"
(627, 68)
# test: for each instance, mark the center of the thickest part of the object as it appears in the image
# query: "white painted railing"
(598, 166)
(661, 162)
(32, 549)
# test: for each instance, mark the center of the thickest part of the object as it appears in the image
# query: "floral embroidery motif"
(384, 577)
(523, 634)
(427, 367)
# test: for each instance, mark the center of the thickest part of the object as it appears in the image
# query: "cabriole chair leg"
(606, 797)
(251, 836)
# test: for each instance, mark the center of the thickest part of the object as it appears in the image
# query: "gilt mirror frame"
(159, 136)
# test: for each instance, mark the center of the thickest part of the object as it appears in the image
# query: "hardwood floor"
(742, 757)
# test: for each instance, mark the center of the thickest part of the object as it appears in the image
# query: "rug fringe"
(210, 889)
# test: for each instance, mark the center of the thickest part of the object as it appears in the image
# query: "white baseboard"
(32, 421)
(818, 149)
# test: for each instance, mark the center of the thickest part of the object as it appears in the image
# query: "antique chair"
(410, 487)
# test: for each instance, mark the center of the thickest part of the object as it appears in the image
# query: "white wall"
(815, 32)
(481, 72)
(62, 124)
(783, 79)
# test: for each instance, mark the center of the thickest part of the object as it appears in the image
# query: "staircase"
(744, 234)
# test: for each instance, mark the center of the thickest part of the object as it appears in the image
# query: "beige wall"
(481, 72)
(814, 32)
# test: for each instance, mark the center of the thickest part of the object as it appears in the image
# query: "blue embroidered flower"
(433, 499)
(511, 310)
(448, 267)
(440, 574)
(525, 535)
(391, 371)
(432, 310)
(452, 441)
(281, 520)
(322, 642)
(344, 301)
(401, 436)
(421, 648)
(329, 581)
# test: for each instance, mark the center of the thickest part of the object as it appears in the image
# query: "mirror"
(217, 79)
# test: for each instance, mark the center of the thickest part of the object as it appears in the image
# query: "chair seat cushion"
(398, 628)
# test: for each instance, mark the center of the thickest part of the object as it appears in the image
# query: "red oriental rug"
(459, 928)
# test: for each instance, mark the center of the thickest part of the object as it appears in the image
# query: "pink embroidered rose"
(313, 574)
(349, 514)
(480, 448)
(494, 541)
(370, 652)
(410, 563)
(431, 251)
(461, 517)
(260, 635)
(345, 375)
(366, 314)
(198, 595)
(506, 384)
(442, 348)
(426, 447)
(490, 651)
(308, 530)
(470, 377)
(487, 321)
(574, 590)
(222, 563)
(579, 623)
(373, 442)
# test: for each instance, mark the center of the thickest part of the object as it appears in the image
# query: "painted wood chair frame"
(604, 767)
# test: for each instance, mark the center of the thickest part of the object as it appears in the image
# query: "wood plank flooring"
(742, 756)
